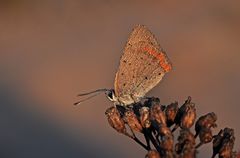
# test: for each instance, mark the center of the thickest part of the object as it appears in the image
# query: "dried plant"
(158, 124)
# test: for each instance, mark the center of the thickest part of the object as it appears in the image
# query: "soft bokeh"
(51, 50)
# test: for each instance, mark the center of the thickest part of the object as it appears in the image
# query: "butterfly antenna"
(98, 91)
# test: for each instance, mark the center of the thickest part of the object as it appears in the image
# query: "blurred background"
(51, 50)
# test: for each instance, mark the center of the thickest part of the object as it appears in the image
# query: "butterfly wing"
(142, 66)
(156, 65)
(141, 33)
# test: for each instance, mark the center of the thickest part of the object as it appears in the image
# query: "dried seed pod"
(131, 119)
(206, 121)
(115, 120)
(186, 115)
(151, 101)
(167, 142)
(181, 111)
(157, 114)
(164, 130)
(226, 148)
(189, 152)
(217, 140)
(223, 143)
(152, 154)
(170, 113)
(186, 143)
(186, 135)
(228, 133)
(154, 120)
(145, 117)
(205, 136)
(227, 143)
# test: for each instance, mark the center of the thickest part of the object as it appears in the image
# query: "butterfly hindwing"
(153, 73)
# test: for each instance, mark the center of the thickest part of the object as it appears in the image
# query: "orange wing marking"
(161, 57)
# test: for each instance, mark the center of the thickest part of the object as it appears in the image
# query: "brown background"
(52, 50)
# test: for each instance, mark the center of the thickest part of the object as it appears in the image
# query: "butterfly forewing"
(141, 33)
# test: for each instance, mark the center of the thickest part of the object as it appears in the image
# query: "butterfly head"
(111, 95)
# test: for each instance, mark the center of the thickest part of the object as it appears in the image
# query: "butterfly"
(142, 66)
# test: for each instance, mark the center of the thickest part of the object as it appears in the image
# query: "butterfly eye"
(110, 95)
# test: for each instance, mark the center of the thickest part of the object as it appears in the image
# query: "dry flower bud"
(154, 121)
(217, 140)
(186, 135)
(145, 117)
(205, 135)
(167, 142)
(152, 101)
(131, 119)
(152, 154)
(226, 148)
(157, 114)
(206, 121)
(186, 143)
(223, 143)
(228, 133)
(164, 130)
(171, 112)
(188, 117)
(227, 143)
(115, 120)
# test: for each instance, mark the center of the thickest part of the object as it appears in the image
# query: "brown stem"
(133, 136)
(154, 142)
(147, 140)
